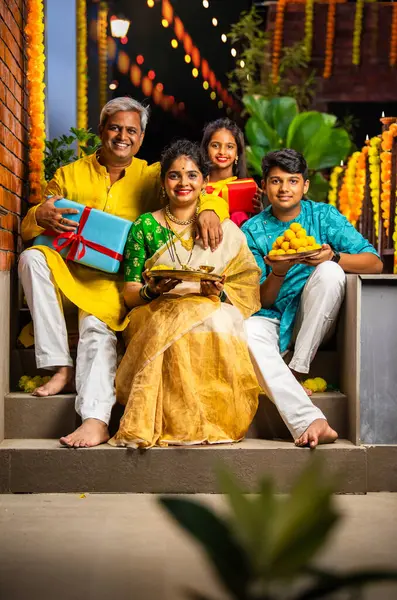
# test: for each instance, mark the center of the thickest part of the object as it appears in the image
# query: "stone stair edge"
(23, 395)
(247, 444)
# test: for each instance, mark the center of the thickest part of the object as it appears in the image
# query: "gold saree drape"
(186, 376)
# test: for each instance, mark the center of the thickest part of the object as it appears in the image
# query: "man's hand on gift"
(209, 229)
(50, 217)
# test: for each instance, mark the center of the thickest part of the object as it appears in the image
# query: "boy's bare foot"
(57, 383)
(91, 433)
(319, 432)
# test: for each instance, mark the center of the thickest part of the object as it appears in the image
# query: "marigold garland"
(374, 185)
(35, 85)
(278, 39)
(308, 39)
(329, 42)
(102, 53)
(346, 196)
(393, 37)
(81, 51)
(358, 27)
(333, 185)
(359, 188)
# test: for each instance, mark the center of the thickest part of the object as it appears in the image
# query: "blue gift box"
(98, 242)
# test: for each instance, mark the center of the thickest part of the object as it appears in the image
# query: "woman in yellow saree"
(186, 376)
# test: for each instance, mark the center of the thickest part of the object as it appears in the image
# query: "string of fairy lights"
(192, 55)
(181, 39)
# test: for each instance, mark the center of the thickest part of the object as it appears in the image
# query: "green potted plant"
(68, 148)
(277, 123)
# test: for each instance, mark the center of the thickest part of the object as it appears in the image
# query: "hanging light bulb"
(215, 22)
(233, 52)
(188, 58)
(150, 3)
(174, 43)
(224, 38)
(242, 64)
(206, 3)
(119, 26)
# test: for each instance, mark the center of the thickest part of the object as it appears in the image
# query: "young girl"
(223, 145)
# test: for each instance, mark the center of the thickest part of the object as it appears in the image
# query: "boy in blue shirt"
(302, 298)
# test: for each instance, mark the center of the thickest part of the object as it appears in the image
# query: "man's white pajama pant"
(96, 352)
(321, 299)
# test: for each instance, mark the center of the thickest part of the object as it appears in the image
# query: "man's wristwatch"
(336, 257)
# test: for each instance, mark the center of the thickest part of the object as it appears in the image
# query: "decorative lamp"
(119, 26)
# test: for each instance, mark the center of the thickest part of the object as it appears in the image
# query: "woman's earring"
(203, 192)
(236, 160)
(163, 194)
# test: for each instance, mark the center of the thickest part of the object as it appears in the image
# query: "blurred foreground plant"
(265, 548)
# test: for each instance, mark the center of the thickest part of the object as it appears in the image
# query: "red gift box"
(239, 194)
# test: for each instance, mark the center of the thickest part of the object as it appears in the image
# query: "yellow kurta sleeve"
(217, 204)
(29, 227)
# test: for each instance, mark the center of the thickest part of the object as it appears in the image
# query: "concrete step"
(27, 416)
(268, 424)
(43, 466)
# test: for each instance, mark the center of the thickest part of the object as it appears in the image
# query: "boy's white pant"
(96, 352)
(321, 299)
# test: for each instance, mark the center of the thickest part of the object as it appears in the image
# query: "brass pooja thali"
(189, 274)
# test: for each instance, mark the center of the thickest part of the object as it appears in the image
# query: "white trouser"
(321, 299)
(96, 351)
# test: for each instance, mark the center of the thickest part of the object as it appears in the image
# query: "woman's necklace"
(187, 244)
(178, 221)
(172, 248)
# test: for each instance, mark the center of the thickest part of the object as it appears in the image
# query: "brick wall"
(13, 127)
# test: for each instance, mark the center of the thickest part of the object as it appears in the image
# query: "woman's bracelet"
(146, 294)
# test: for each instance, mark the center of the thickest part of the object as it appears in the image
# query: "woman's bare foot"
(91, 433)
(57, 383)
(319, 432)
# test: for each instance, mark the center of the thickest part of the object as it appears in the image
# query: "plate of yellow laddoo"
(294, 244)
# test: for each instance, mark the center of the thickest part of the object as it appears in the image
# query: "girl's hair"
(239, 169)
(286, 159)
(184, 148)
(124, 104)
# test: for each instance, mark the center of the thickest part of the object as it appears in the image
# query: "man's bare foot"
(57, 383)
(91, 433)
(298, 376)
(319, 432)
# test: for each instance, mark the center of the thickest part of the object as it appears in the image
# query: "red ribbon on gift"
(74, 239)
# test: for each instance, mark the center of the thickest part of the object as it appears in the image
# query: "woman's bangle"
(146, 294)
(276, 275)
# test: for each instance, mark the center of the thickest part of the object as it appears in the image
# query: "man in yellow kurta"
(115, 181)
